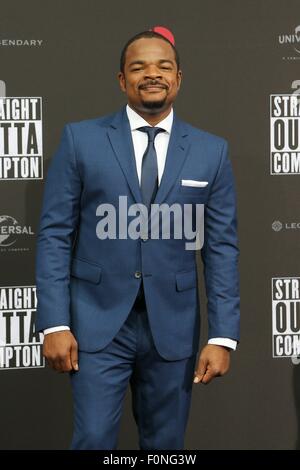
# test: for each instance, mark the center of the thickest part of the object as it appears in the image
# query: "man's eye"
(135, 70)
(166, 68)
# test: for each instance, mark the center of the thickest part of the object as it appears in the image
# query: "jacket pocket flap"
(186, 280)
(85, 270)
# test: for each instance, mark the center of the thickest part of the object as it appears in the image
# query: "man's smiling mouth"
(152, 88)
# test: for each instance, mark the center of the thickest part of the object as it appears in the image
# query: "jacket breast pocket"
(86, 270)
(186, 280)
(193, 191)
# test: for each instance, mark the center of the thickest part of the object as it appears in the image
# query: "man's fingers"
(205, 373)
(199, 373)
(74, 356)
(60, 363)
(66, 364)
(209, 375)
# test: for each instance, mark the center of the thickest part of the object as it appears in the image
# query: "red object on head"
(164, 32)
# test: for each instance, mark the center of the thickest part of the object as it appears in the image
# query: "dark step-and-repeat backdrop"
(241, 80)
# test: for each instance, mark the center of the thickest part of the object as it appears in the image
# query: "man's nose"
(152, 72)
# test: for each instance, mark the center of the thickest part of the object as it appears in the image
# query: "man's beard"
(153, 105)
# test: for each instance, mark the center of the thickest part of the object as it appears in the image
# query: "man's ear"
(122, 81)
(179, 78)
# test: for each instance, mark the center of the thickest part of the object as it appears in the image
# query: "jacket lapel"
(176, 155)
(119, 134)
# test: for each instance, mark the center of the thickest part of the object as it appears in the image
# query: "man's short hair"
(146, 34)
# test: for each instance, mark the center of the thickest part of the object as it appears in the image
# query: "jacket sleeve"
(220, 254)
(57, 229)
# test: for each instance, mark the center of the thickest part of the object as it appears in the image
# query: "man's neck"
(152, 119)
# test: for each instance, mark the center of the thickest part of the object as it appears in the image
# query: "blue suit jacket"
(90, 284)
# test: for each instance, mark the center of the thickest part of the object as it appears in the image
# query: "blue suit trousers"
(161, 390)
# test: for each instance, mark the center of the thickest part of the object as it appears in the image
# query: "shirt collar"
(135, 120)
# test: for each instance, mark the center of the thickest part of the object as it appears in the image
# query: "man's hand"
(213, 362)
(61, 351)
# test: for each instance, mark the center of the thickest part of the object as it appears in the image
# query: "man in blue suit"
(123, 309)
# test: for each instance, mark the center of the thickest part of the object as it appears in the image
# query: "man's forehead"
(151, 46)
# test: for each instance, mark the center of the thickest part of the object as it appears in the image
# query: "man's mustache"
(158, 84)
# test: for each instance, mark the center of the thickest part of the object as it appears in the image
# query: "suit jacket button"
(137, 274)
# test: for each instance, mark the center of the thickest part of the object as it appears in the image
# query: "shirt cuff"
(229, 343)
(54, 329)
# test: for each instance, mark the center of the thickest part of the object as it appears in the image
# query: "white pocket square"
(194, 183)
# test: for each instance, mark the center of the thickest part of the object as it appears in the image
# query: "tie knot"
(151, 131)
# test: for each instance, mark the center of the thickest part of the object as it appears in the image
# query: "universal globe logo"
(10, 229)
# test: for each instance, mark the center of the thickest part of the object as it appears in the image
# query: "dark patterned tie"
(149, 178)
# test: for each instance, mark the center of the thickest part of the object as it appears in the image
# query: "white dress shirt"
(161, 142)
